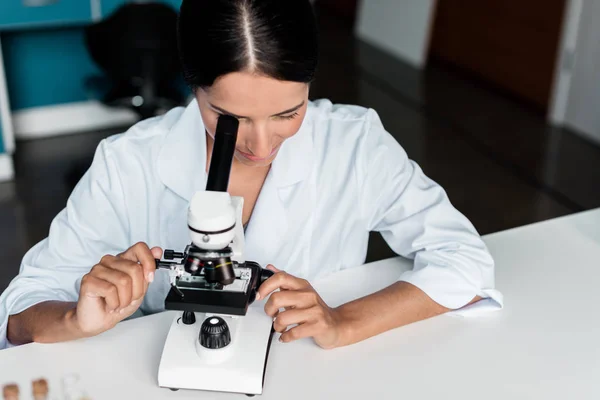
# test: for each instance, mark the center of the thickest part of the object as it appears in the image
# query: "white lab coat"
(341, 176)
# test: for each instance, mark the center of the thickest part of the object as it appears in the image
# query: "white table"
(545, 344)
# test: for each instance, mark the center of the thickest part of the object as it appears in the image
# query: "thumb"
(157, 252)
(271, 267)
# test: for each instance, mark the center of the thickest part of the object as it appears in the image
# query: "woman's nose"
(259, 142)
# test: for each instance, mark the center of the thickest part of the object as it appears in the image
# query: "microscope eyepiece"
(222, 153)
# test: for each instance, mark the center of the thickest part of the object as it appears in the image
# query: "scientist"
(316, 178)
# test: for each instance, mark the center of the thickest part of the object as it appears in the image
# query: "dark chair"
(136, 48)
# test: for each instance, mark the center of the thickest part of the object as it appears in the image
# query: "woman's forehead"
(246, 94)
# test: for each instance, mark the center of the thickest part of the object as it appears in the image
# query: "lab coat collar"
(267, 234)
(295, 159)
(182, 158)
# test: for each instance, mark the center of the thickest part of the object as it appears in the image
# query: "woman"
(316, 179)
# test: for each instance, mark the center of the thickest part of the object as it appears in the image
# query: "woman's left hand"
(303, 307)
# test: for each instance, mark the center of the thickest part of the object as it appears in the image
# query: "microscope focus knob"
(188, 318)
(214, 333)
(264, 275)
(171, 255)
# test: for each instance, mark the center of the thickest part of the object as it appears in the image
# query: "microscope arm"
(238, 243)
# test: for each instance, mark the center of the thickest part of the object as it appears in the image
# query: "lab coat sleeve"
(415, 217)
(92, 224)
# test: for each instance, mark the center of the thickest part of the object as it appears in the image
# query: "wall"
(583, 104)
(6, 131)
(400, 27)
(2, 105)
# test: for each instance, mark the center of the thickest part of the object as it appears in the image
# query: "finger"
(130, 309)
(299, 332)
(119, 279)
(291, 317)
(298, 299)
(281, 280)
(142, 254)
(92, 286)
(157, 252)
(139, 286)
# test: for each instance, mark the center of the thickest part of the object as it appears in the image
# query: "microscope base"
(238, 368)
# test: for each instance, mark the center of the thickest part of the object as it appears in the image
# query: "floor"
(501, 165)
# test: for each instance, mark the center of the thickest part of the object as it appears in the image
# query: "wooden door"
(511, 44)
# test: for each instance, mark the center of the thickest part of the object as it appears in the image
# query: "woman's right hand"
(114, 289)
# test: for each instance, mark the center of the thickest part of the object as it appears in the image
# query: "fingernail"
(151, 277)
(280, 339)
(257, 296)
(121, 311)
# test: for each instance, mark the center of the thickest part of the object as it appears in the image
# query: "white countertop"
(545, 344)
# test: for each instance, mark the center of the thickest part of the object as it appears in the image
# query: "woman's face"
(269, 111)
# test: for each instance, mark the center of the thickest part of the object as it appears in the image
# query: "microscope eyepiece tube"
(222, 154)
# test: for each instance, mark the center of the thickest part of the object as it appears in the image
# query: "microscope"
(216, 341)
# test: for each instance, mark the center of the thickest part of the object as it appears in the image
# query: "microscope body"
(216, 342)
(212, 274)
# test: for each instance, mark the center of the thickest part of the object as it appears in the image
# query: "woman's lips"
(254, 158)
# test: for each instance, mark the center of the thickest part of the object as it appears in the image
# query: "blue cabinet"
(17, 14)
(109, 6)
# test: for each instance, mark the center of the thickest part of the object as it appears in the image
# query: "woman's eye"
(288, 117)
